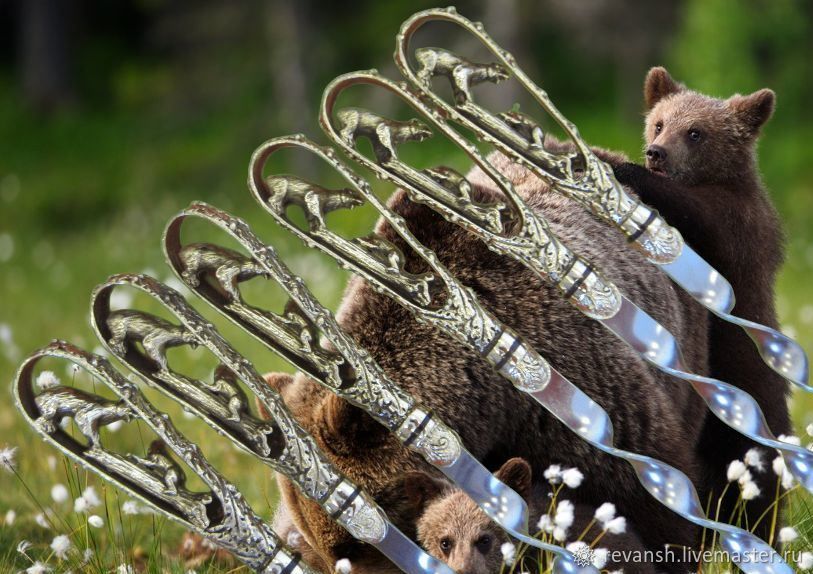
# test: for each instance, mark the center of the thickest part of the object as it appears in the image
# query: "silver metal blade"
(407, 556)
(506, 508)
(644, 334)
(712, 290)
(701, 280)
(500, 502)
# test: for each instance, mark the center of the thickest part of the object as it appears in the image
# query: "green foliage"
(86, 192)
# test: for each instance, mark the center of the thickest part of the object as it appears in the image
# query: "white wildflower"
(509, 553)
(80, 505)
(746, 478)
(59, 493)
(130, 507)
(38, 568)
(87, 555)
(95, 521)
(343, 566)
(779, 466)
(10, 517)
(60, 545)
(47, 379)
(617, 525)
(750, 491)
(125, 569)
(600, 556)
(42, 521)
(790, 439)
(7, 458)
(553, 474)
(23, 546)
(788, 534)
(559, 534)
(605, 512)
(753, 458)
(781, 470)
(805, 561)
(735, 470)
(564, 514)
(90, 496)
(545, 523)
(572, 477)
(809, 429)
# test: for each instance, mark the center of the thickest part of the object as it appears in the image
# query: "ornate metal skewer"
(364, 384)
(581, 176)
(462, 317)
(284, 446)
(651, 340)
(220, 514)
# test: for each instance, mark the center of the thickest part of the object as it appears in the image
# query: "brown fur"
(454, 529)
(711, 191)
(652, 413)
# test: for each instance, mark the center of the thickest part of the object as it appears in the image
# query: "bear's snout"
(655, 153)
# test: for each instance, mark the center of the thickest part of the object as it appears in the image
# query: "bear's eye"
(446, 544)
(695, 135)
(658, 127)
(483, 544)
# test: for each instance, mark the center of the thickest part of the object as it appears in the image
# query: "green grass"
(86, 194)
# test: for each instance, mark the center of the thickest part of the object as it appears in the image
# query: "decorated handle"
(581, 176)
(220, 514)
(449, 193)
(363, 384)
(287, 447)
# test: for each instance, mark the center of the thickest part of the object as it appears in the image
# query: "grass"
(86, 194)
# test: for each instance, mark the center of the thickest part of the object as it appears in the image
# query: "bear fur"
(703, 178)
(652, 413)
(454, 529)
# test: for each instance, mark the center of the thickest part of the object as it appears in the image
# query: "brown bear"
(652, 413)
(703, 178)
(451, 527)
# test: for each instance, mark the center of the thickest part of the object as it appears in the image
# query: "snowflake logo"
(584, 556)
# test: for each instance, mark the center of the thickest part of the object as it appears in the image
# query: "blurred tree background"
(115, 115)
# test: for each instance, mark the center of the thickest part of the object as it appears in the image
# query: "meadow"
(86, 193)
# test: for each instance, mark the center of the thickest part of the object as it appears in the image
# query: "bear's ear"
(421, 489)
(346, 429)
(754, 109)
(658, 85)
(516, 473)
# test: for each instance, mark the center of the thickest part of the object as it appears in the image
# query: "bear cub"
(701, 174)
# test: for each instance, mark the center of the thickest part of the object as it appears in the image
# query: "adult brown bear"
(652, 413)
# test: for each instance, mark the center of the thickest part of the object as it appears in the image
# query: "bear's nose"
(655, 153)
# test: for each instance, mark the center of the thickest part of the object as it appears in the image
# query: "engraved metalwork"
(157, 479)
(227, 266)
(469, 323)
(446, 192)
(87, 411)
(154, 334)
(356, 512)
(282, 445)
(362, 381)
(581, 176)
